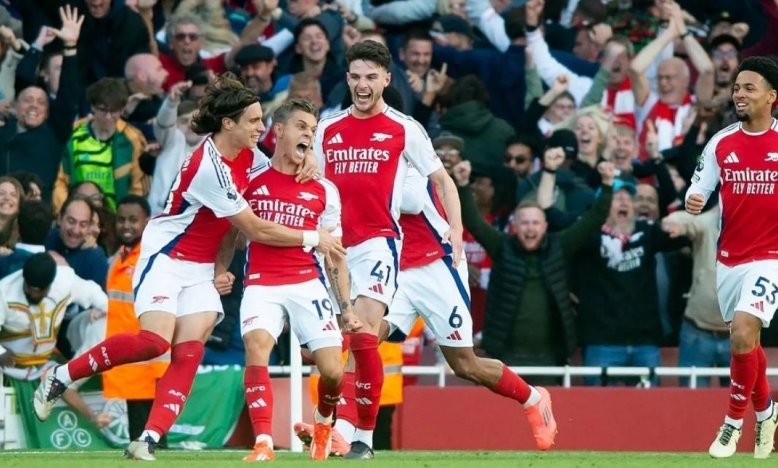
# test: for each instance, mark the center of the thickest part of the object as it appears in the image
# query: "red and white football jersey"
(423, 232)
(277, 197)
(208, 189)
(746, 164)
(366, 160)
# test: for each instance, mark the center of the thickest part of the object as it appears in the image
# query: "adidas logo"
(335, 140)
(454, 336)
(258, 404)
(364, 401)
(758, 306)
(731, 159)
(329, 327)
(92, 363)
(174, 407)
(377, 288)
(262, 191)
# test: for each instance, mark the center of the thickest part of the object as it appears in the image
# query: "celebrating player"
(292, 284)
(744, 158)
(364, 151)
(175, 297)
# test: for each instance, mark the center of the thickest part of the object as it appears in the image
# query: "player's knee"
(258, 348)
(332, 375)
(744, 333)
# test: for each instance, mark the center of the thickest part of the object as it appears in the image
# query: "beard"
(742, 117)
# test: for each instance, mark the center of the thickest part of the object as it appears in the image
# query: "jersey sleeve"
(419, 150)
(414, 192)
(213, 187)
(330, 218)
(318, 146)
(260, 163)
(706, 174)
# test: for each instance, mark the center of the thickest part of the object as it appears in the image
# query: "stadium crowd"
(97, 96)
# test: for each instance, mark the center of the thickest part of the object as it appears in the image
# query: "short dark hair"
(35, 220)
(369, 51)
(74, 188)
(416, 34)
(304, 23)
(515, 23)
(109, 92)
(39, 270)
(468, 88)
(762, 66)
(133, 199)
(225, 97)
(285, 110)
(78, 197)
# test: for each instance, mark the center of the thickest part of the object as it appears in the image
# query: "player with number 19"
(743, 158)
(288, 282)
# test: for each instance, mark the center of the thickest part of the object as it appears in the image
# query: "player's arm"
(226, 251)
(705, 178)
(419, 151)
(266, 232)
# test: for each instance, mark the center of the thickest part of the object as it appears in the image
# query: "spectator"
(466, 115)
(173, 132)
(591, 127)
(450, 149)
(67, 239)
(89, 190)
(618, 312)
(104, 149)
(34, 220)
(34, 138)
(11, 196)
(314, 56)
(529, 316)
(257, 64)
(145, 83)
(519, 156)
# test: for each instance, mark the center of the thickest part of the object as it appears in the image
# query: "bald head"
(673, 80)
(146, 69)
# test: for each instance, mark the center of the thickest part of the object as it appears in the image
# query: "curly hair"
(765, 67)
(226, 98)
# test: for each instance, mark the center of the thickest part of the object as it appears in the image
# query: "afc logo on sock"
(364, 385)
(177, 394)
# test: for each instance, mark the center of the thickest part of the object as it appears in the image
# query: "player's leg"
(200, 309)
(262, 320)
(374, 281)
(446, 310)
(312, 319)
(157, 315)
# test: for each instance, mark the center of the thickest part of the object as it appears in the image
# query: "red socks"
(348, 410)
(512, 386)
(329, 396)
(761, 396)
(120, 349)
(743, 371)
(369, 379)
(259, 399)
(174, 386)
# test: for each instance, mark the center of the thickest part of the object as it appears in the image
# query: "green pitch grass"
(226, 459)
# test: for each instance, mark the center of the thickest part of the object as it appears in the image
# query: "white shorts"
(750, 287)
(175, 286)
(373, 266)
(306, 305)
(440, 295)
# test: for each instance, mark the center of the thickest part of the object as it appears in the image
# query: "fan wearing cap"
(450, 149)
(257, 64)
(725, 55)
(33, 305)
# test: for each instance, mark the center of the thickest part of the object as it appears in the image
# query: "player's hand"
(672, 228)
(7, 359)
(462, 172)
(309, 169)
(224, 282)
(453, 237)
(102, 419)
(349, 322)
(329, 245)
(694, 204)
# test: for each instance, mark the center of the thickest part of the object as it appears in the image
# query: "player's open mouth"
(741, 105)
(364, 97)
(301, 147)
